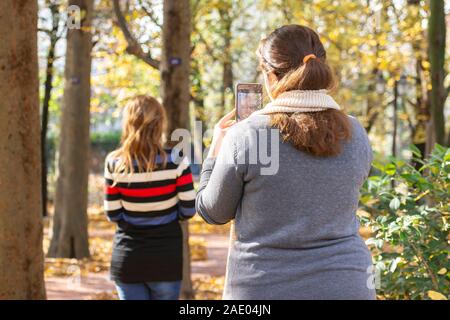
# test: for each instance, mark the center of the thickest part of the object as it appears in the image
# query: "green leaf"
(447, 155)
(378, 165)
(438, 148)
(390, 169)
(394, 204)
(415, 151)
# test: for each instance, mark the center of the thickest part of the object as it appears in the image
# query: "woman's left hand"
(220, 130)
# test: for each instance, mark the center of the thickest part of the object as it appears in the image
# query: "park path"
(98, 285)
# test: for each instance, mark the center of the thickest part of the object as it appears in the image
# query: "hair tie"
(309, 56)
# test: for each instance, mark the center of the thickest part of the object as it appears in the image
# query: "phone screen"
(248, 99)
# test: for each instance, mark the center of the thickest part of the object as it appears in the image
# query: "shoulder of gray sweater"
(359, 134)
(254, 121)
(358, 129)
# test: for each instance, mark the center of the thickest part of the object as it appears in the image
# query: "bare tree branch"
(48, 32)
(447, 93)
(208, 48)
(150, 14)
(134, 47)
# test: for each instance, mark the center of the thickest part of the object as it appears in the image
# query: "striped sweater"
(150, 198)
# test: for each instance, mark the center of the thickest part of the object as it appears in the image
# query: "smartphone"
(249, 98)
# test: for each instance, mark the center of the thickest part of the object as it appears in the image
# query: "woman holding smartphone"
(296, 232)
(147, 192)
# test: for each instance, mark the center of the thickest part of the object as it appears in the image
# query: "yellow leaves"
(382, 40)
(354, 41)
(103, 296)
(334, 35)
(198, 248)
(120, 77)
(426, 64)
(362, 213)
(208, 288)
(383, 64)
(391, 82)
(198, 226)
(372, 42)
(420, 134)
(442, 272)
(60, 267)
(365, 232)
(403, 116)
(434, 295)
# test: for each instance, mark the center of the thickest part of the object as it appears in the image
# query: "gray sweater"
(296, 232)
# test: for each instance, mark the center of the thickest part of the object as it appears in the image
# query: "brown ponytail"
(282, 53)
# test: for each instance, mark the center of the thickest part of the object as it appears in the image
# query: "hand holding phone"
(220, 130)
(248, 99)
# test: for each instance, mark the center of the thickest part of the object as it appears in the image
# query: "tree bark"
(395, 120)
(227, 63)
(436, 38)
(175, 64)
(48, 87)
(70, 236)
(21, 256)
(421, 105)
(175, 92)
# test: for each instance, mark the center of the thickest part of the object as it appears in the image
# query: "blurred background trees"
(377, 48)
(390, 58)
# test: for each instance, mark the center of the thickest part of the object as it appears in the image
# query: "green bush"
(101, 145)
(107, 141)
(408, 211)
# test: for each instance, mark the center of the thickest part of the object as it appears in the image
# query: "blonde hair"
(144, 124)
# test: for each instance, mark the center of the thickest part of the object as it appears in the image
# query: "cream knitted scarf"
(300, 101)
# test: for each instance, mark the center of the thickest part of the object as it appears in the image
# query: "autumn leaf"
(434, 295)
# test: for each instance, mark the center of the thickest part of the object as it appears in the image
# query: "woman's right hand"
(220, 130)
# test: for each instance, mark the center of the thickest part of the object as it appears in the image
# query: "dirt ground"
(68, 279)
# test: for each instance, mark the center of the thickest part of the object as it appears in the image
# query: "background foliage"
(405, 202)
(408, 211)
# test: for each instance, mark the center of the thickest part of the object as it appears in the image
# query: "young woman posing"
(146, 194)
(296, 231)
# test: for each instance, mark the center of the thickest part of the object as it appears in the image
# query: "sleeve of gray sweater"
(221, 184)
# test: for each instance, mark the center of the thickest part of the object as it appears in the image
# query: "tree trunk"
(419, 131)
(175, 62)
(175, 92)
(21, 257)
(436, 38)
(227, 63)
(48, 87)
(395, 120)
(227, 82)
(70, 236)
(373, 99)
(421, 106)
